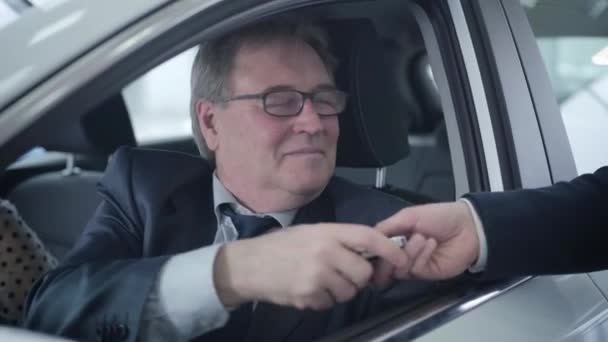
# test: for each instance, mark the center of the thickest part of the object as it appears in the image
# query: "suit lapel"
(278, 323)
(319, 210)
(186, 221)
(194, 206)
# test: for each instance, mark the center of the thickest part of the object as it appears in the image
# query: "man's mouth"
(305, 151)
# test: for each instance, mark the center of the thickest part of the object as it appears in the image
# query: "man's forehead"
(252, 44)
(286, 50)
(286, 61)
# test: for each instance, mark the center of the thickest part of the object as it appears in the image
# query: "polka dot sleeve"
(23, 260)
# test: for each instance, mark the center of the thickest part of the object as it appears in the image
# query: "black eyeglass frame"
(304, 95)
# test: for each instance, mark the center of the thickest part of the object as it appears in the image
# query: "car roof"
(42, 40)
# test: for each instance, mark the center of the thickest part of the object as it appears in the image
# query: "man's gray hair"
(213, 64)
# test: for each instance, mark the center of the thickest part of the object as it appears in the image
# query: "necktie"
(248, 226)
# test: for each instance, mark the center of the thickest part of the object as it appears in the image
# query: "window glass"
(573, 41)
(159, 101)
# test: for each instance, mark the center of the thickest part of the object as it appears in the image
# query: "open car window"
(159, 101)
(158, 104)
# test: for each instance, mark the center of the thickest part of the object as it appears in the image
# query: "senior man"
(177, 250)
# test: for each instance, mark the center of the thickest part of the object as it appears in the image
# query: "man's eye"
(281, 101)
(326, 101)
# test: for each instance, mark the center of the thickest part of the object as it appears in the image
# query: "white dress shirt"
(184, 303)
(482, 260)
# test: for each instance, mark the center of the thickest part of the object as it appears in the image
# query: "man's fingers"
(413, 248)
(359, 238)
(374, 242)
(422, 263)
(352, 266)
(400, 223)
(324, 299)
(340, 288)
(383, 272)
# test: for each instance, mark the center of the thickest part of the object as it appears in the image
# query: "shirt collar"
(221, 195)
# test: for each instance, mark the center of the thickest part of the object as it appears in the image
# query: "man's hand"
(442, 242)
(307, 267)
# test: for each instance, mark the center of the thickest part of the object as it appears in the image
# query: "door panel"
(542, 309)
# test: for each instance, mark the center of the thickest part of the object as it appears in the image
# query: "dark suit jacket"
(157, 204)
(556, 229)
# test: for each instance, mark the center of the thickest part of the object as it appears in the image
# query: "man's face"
(258, 151)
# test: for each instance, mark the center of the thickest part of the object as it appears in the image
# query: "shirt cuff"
(188, 295)
(480, 264)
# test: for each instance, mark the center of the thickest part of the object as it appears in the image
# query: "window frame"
(561, 162)
(474, 132)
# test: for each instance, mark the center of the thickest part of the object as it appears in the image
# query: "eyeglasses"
(283, 103)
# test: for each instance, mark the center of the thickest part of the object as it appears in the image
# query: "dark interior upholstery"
(427, 95)
(99, 132)
(426, 174)
(373, 129)
(57, 205)
(427, 171)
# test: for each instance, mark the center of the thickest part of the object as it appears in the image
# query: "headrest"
(373, 128)
(427, 95)
(100, 131)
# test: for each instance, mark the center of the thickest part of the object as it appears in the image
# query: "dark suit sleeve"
(556, 229)
(104, 282)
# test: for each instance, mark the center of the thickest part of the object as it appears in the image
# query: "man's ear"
(205, 112)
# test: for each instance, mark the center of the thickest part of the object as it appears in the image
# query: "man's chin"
(304, 186)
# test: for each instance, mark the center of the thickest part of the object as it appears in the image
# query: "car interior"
(393, 136)
(393, 126)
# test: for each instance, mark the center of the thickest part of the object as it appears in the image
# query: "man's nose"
(308, 120)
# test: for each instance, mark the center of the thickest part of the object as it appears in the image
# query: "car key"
(398, 240)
